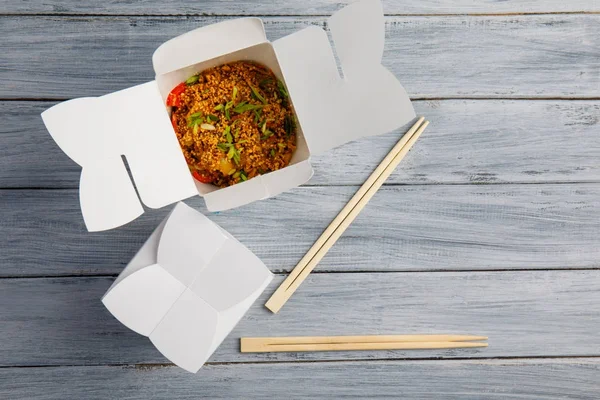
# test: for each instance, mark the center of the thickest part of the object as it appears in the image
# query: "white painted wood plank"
(61, 321)
(547, 379)
(468, 141)
(403, 228)
(462, 56)
(307, 7)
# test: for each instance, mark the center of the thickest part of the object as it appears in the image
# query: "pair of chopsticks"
(374, 342)
(345, 217)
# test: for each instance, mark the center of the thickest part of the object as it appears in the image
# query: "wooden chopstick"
(345, 217)
(336, 343)
(362, 339)
(361, 346)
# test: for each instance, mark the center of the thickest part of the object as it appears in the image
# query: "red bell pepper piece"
(174, 122)
(202, 177)
(174, 99)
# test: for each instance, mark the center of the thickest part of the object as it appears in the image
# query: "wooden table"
(490, 226)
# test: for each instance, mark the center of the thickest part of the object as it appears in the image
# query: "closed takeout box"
(331, 110)
(187, 287)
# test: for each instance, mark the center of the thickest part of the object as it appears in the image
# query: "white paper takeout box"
(187, 287)
(134, 123)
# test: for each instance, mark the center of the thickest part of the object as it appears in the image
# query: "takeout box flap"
(208, 42)
(188, 244)
(146, 255)
(236, 195)
(189, 299)
(368, 100)
(141, 300)
(219, 289)
(97, 132)
(288, 178)
(229, 318)
(186, 333)
(260, 187)
(193, 328)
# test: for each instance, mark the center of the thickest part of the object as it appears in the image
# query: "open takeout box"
(187, 287)
(134, 123)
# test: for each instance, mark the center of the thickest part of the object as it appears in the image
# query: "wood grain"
(551, 379)
(492, 57)
(61, 321)
(520, 256)
(307, 7)
(469, 141)
(404, 228)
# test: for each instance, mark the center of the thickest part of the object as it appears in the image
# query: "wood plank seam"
(326, 271)
(330, 361)
(266, 15)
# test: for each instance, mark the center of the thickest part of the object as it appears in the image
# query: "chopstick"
(345, 217)
(374, 342)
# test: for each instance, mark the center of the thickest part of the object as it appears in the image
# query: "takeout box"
(187, 287)
(134, 123)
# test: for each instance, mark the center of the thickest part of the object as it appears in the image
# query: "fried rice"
(233, 122)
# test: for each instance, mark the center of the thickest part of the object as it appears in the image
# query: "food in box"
(233, 122)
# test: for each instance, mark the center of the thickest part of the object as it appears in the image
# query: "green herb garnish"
(263, 125)
(282, 89)
(227, 107)
(289, 124)
(272, 152)
(232, 153)
(195, 119)
(256, 94)
(191, 80)
(236, 156)
(243, 176)
(264, 82)
(235, 92)
(257, 114)
(219, 107)
(212, 117)
(227, 134)
(267, 134)
(243, 107)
